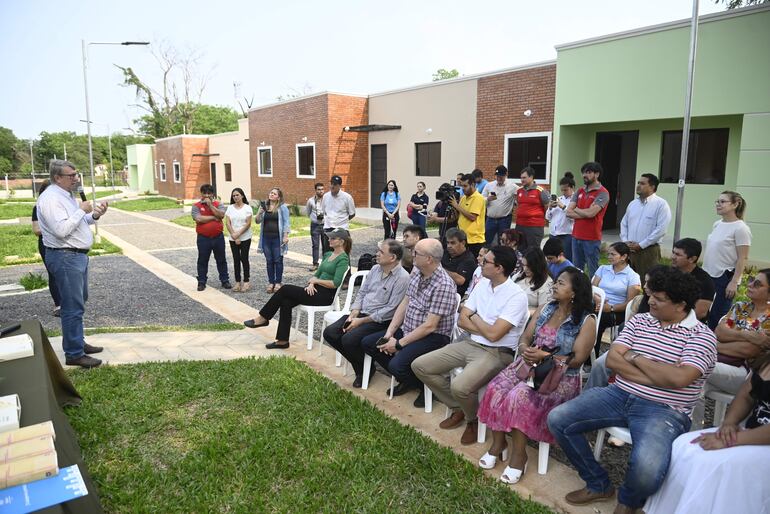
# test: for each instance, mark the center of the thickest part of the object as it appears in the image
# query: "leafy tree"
(734, 4)
(206, 119)
(6, 166)
(443, 74)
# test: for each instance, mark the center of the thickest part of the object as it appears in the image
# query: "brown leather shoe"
(470, 434)
(84, 361)
(452, 421)
(89, 349)
(584, 496)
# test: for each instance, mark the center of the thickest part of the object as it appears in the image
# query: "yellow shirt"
(475, 230)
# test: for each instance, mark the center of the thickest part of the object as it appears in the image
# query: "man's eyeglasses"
(69, 175)
(484, 262)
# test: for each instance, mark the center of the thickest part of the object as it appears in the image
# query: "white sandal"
(489, 461)
(512, 475)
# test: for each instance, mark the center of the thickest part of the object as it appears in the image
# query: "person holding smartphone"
(556, 215)
(418, 206)
(501, 197)
(274, 236)
(374, 306)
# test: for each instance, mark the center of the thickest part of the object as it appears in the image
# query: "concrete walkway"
(138, 233)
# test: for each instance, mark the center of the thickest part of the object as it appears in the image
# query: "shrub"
(32, 281)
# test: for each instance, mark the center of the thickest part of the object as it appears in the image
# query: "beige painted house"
(437, 127)
(229, 160)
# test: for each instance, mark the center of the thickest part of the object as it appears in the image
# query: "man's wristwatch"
(398, 345)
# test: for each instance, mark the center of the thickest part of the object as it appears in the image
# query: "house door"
(214, 177)
(616, 152)
(379, 175)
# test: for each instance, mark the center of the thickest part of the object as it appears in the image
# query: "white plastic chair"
(333, 316)
(428, 393)
(722, 400)
(311, 311)
(621, 433)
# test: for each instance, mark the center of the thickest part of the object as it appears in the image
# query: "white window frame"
(527, 135)
(162, 171)
(260, 171)
(177, 166)
(296, 160)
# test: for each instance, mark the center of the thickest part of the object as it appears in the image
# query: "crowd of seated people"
(525, 327)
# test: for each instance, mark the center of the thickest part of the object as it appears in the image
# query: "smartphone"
(346, 325)
(553, 198)
(382, 341)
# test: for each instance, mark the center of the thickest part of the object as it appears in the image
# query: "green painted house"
(141, 167)
(620, 101)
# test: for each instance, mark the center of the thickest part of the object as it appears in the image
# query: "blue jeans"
(586, 252)
(653, 427)
(271, 246)
(400, 364)
(721, 303)
(566, 241)
(52, 287)
(207, 245)
(70, 270)
(316, 239)
(495, 227)
(418, 219)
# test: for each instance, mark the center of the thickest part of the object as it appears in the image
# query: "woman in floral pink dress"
(566, 325)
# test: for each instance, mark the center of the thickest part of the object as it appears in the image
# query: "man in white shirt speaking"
(64, 223)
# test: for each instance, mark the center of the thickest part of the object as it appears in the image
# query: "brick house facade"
(316, 120)
(190, 153)
(502, 100)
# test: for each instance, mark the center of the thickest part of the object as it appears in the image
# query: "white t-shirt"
(238, 219)
(506, 301)
(722, 246)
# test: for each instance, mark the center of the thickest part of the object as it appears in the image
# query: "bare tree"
(172, 107)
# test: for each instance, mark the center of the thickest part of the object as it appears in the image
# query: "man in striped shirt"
(662, 360)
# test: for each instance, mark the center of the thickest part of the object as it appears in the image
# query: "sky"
(276, 48)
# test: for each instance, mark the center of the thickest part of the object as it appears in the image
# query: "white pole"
(112, 170)
(88, 127)
(6, 184)
(65, 151)
(686, 125)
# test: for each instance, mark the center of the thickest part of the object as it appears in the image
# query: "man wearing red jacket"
(208, 214)
(532, 202)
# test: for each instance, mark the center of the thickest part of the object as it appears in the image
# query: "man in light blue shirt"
(644, 224)
(64, 223)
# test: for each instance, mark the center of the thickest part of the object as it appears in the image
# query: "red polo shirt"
(530, 211)
(590, 229)
(211, 228)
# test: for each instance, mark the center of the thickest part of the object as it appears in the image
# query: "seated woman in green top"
(320, 289)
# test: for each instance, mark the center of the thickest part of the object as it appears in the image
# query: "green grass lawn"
(300, 225)
(262, 435)
(22, 208)
(152, 203)
(21, 241)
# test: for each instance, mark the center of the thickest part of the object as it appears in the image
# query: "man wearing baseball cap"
(338, 209)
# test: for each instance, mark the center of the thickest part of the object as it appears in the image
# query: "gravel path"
(121, 294)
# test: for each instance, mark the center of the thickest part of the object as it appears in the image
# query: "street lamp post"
(109, 145)
(84, 49)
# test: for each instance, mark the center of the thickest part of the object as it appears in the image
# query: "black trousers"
(241, 258)
(349, 343)
(609, 319)
(388, 227)
(289, 297)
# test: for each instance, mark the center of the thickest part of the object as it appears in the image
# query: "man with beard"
(587, 208)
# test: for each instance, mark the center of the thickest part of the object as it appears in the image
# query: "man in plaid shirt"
(422, 323)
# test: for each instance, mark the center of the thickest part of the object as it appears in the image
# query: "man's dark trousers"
(206, 245)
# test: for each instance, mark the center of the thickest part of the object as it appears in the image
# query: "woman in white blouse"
(534, 278)
(238, 219)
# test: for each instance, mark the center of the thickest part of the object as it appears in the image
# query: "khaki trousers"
(642, 261)
(481, 364)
